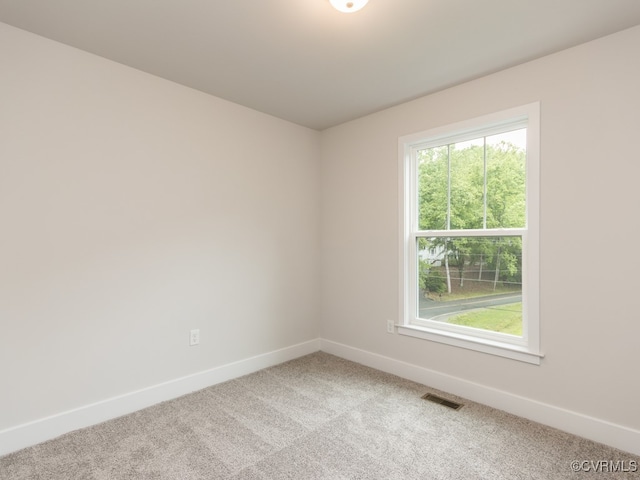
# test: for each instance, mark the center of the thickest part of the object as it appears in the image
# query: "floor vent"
(442, 401)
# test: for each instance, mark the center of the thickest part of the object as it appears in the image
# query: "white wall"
(590, 317)
(132, 210)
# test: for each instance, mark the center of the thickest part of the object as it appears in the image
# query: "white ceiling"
(303, 61)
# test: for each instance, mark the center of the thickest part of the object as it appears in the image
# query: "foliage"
(430, 279)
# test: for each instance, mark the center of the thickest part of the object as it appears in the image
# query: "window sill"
(506, 350)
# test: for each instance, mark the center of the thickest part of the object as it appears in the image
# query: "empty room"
(321, 239)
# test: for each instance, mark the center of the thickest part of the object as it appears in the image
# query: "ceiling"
(302, 61)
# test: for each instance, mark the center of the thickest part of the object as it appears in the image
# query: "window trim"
(527, 348)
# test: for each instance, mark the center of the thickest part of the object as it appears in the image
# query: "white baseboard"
(601, 431)
(21, 436)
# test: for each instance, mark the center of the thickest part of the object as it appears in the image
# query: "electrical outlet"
(390, 326)
(194, 337)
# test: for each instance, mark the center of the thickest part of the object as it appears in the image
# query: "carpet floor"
(316, 417)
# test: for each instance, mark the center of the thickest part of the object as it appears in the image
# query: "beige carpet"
(317, 417)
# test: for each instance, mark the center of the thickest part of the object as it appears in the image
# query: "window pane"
(471, 281)
(506, 179)
(467, 185)
(433, 168)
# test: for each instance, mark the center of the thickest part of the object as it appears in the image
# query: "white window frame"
(527, 347)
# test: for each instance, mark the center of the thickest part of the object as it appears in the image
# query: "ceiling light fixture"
(348, 6)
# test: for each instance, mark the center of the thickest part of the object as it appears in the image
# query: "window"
(469, 243)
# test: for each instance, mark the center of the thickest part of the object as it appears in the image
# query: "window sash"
(480, 140)
(413, 318)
